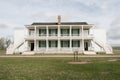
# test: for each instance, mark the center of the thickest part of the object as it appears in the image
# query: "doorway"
(86, 46)
(32, 47)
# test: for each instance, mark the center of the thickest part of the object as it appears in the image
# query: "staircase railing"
(19, 44)
(105, 46)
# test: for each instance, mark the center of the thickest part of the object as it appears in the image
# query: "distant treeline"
(116, 48)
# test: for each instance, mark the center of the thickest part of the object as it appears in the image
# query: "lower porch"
(60, 47)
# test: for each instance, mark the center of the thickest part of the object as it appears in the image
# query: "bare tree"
(4, 43)
(7, 42)
(1, 43)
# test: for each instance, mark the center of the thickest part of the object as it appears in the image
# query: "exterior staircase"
(11, 48)
(107, 48)
(19, 44)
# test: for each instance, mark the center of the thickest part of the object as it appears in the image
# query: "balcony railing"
(52, 34)
(62, 35)
(46, 34)
(41, 34)
(75, 34)
(29, 37)
(88, 36)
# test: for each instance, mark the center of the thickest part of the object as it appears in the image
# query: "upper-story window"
(86, 32)
(52, 32)
(42, 32)
(64, 32)
(75, 32)
(31, 32)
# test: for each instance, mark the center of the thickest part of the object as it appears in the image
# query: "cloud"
(3, 26)
(102, 13)
(114, 31)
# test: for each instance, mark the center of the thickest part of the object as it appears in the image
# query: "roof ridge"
(62, 23)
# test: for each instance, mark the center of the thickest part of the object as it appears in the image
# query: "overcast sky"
(104, 14)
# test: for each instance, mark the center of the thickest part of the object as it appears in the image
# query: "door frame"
(86, 45)
(31, 46)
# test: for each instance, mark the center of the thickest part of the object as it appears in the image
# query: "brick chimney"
(59, 19)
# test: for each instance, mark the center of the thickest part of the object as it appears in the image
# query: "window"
(76, 43)
(53, 32)
(42, 32)
(52, 43)
(65, 32)
(86, 32)
(65, 43)
(42, 44)
(31, 32)
(75, 32)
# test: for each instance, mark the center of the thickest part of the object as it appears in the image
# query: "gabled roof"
(62, 23)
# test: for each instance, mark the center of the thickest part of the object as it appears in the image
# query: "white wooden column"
(91, 45)
(82, 39)
(47, 34)
(70, 31)
(47, 38)
(46, 44)
(70, 37)
(35, 41)
(80, 31)
(58, 31)
(59, 34)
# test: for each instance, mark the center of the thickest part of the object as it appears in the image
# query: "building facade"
(60, 38)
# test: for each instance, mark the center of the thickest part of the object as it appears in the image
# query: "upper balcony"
(55, 36)
(62, 33)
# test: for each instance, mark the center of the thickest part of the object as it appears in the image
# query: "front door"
(86, 46)
(32, 46)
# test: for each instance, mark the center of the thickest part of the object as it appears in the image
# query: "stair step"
(89, 52)
(28, 53)
(107, 48)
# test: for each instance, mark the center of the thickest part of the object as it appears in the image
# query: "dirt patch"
(112, 60)
(79, 62)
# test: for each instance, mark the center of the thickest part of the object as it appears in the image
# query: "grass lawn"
(59, 69)
(2, 52)
(116, 52)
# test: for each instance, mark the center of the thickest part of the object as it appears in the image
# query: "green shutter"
(45, 31)
(79, 43)
(68, 43)
(68, 32)
(49, 31)
(72, 32)
(56, 31)
(78, 31)
(61, 43)
(56, 43)
(39, 32)
(61, 31)
(49, 43)
(72, 43)
(39, 44)
(45, 43)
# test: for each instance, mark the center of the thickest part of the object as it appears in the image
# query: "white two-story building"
(59, 38)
